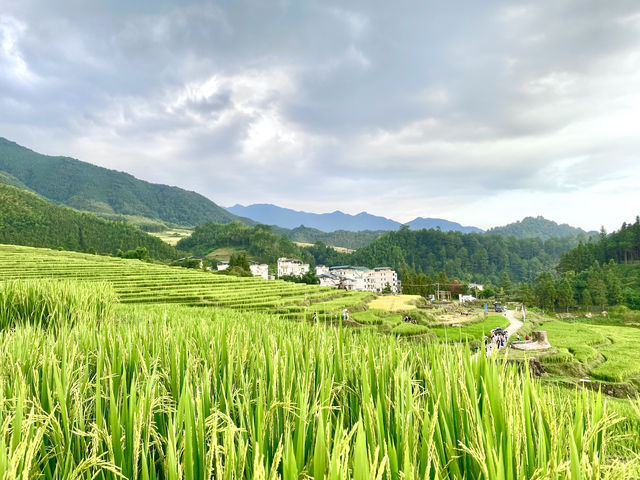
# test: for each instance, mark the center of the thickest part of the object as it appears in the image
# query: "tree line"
(595, 273)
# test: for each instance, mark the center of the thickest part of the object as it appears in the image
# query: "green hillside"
(27, 219)
(84, 186)
(259, 242)
(539, 227)
(338, 238)
(472, 256)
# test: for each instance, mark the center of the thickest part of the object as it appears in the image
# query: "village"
(347, 277)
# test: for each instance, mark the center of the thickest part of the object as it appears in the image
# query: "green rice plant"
(176, 392)
(561, 356)
(472, 331)
(53, 303)
(409, 329)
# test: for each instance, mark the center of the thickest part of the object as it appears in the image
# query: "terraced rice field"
(138, 282)
(607, 352)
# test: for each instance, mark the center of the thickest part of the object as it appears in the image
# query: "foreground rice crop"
(167, 392)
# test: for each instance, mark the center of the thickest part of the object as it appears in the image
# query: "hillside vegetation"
(540, 227)
(259, 242)
(27, 219)
(620, 252)
(472, 256)
(338, 238)
(88, 187)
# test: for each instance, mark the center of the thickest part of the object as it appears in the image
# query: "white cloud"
(400, 110)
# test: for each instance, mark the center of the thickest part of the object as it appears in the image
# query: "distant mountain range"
(329, 222)
(84, 186)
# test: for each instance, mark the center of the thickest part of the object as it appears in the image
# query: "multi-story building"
(328, 280)
(322, 270)
(291, 266)
(352, 278)
(379, 278)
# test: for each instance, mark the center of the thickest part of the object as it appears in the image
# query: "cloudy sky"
(478, 112)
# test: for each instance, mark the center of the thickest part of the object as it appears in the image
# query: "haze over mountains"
(328, 222)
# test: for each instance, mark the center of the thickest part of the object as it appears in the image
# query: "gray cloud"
(404, 109)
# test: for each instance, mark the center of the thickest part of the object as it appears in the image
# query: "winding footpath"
(514, 323)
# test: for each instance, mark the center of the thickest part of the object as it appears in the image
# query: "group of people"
(497, 338)
(408, 319)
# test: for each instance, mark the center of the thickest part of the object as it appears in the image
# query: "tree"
(526, 294)
(587, 301)
(597, 287)
(564, 293)
(507, 286)
(544, 291)
(239, 266)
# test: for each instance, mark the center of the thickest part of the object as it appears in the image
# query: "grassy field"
(395, 303)
(173, 236)
(337, 249)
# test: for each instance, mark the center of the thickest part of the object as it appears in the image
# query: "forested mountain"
(259, 242)
(472, 256)
(27, 219)
(88, 187)
(540, 227)
(339, 238)
(444, 225)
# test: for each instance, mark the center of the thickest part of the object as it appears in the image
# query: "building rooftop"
(348, 267)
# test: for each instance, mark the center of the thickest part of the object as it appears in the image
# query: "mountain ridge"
(539, 227)
(102, 191)
(271, 214)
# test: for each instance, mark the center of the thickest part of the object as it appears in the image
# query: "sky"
(478, 112)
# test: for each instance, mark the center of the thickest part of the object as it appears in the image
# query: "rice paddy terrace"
(146, 283)
(155, 389)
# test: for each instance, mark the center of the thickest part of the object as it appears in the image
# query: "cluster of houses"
(343, 276)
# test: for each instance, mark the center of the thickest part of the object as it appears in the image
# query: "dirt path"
(514, 323)
(512, 329)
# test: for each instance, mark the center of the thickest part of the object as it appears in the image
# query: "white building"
(351, 278)
(379, 278)
(477, 286)
(465, 298)
(291, 266)
(260, 270)
(222, 265)
(321, 270)
(328, 280)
